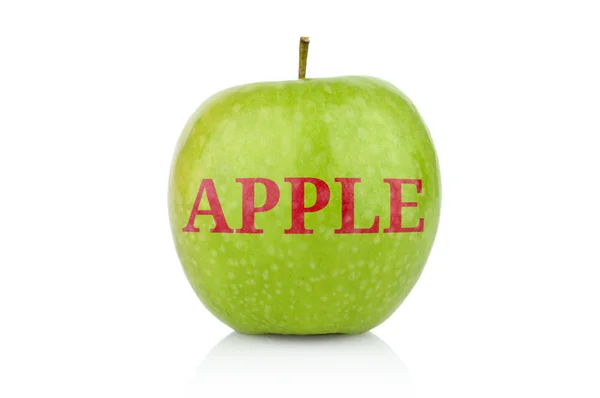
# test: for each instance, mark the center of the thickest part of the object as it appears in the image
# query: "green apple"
(304, 207)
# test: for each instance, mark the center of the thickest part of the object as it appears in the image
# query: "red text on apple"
(299, 208)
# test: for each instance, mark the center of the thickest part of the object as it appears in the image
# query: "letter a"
(215, 209)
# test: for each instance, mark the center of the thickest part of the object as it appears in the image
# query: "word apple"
(298, 205)
(307, 206)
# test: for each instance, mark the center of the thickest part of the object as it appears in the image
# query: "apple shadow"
(328, 360)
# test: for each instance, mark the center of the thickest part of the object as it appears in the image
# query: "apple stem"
(303, 57)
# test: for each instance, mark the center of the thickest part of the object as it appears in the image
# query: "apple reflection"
(334, 360)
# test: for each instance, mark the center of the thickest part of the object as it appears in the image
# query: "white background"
(93, 96)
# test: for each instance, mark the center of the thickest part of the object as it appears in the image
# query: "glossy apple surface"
(324, 282)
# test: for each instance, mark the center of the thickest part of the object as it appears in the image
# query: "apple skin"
(320, 283)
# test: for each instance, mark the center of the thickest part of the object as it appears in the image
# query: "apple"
(307, 206)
